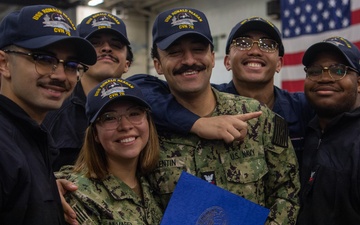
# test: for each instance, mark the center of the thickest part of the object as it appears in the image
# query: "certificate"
(197, 202)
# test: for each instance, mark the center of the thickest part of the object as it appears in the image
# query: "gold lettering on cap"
(38, 15)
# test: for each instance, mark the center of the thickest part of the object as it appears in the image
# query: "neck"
(201, 104)
(125, 171)
(88, 84)
(37, 114)
(262, 92)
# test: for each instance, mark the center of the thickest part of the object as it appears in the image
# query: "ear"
(227, 62)
(213, 59)
(127, 66)
(158, 67)
(4, 65)
(96, 137)
(358, 83)
(279, 64)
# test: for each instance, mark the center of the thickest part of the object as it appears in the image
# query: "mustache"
(108, 55)
(58, 83)
(185, 68)
(257, 58)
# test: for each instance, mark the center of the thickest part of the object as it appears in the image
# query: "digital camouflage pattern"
(263, 168)
(111, 201)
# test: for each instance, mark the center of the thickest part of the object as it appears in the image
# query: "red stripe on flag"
(293, 59)
(355, 17)
(293, 85)
(357, 44)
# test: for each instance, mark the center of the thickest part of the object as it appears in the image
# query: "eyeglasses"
(264, 44)
(111, 120)
(47, 64)
(336, 71)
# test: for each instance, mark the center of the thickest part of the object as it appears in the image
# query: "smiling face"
(254, 65)
(111, 56)
(187, 65)
(328, 97)
(126, 142)
(36, 93)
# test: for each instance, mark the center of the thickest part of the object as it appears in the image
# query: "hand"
(64, 186)
(226, 127)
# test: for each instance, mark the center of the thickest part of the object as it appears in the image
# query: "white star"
(338, 13)
(345, 22)
(345, 2)
(320, 6)
(320, 27)
(287, 32)
(297, 30)
(308, 28)
(292, 22)
(308, 8)
(286, 13)
(302, 18)
(326, 15)
(332, 24)
(332, 3)
(314, 18)
(297, 10)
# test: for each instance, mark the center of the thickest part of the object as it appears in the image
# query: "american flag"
(305, 22)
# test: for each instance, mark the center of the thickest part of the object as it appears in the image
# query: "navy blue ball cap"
(339, 45)
(255, 24)
(172, 24)
(38, 26)
(103, 21)
(110, 90)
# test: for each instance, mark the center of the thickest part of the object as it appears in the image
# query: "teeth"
(254, 65)
(127, 140)
(190, 72)
(51, 90)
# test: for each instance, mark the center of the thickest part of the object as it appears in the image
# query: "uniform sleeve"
(14, 176)
(85, 213)
(282, 183)
(167, 112)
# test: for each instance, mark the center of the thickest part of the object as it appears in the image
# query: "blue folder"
(197, 202)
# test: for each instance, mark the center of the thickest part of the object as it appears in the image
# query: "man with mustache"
(262, 168)
(107, 33)
(40, 57)
(330, 174)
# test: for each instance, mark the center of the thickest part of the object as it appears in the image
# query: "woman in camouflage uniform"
(120, 148)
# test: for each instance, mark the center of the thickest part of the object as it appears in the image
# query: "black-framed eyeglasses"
(111, 120)
(46, 64)
(336, 71)
(264, 44)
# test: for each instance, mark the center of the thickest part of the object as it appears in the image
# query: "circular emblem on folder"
(214, 215)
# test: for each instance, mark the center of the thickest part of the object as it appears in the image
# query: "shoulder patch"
(281, 132)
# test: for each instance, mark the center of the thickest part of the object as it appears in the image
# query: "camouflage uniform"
(262, 169)
(111, 201)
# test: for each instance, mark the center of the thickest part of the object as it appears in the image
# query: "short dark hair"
(129, 55)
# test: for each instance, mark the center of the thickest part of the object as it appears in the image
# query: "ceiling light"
(95, 2)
